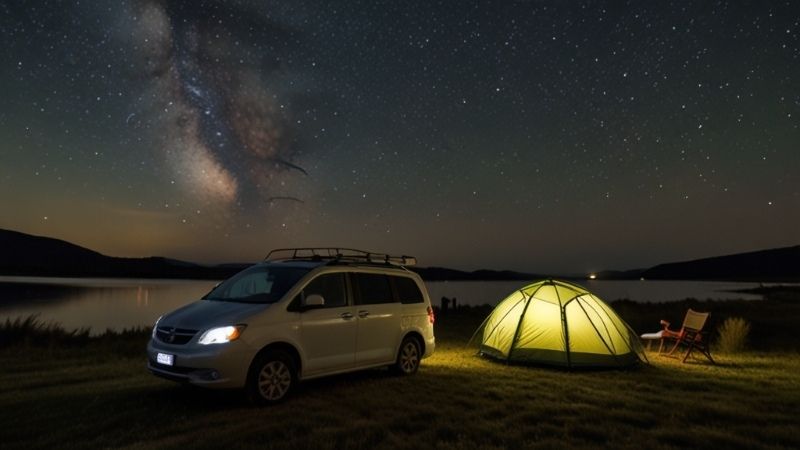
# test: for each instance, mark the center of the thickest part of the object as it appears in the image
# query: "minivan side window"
(373, 289)
(329, 286)
(406, 290)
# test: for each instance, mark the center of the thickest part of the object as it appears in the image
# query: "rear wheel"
(408, 358)
(272, 377)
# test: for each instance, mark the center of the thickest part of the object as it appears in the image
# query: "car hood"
(204, 314)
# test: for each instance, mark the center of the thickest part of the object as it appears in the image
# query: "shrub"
(31, 330)
(732, 335)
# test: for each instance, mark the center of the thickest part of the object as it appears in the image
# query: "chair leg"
(688, 351)
(674, 347)
(708, 355)
(702, 348)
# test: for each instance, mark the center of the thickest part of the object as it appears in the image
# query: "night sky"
(538, 136)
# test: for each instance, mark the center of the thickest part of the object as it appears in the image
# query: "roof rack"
(335, 255)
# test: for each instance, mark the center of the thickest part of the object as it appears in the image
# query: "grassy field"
(76, 392)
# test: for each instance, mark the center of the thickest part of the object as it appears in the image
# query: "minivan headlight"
(221, 335)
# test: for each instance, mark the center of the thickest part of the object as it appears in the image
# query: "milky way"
(224, 136)
(542, 136)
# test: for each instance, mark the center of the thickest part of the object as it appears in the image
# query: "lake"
(101, 303)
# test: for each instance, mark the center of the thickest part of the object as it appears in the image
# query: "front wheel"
(408, 358)
(272, 376)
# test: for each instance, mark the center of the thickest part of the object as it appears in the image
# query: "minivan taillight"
(431, 316)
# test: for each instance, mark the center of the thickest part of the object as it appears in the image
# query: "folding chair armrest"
(666, 333)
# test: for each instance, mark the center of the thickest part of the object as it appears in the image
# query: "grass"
(96, 392)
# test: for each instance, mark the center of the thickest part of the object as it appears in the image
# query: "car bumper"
(216, 365)
(430, 346)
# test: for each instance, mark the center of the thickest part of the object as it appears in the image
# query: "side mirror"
(313, 301)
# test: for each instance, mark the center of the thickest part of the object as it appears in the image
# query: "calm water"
(125, 303)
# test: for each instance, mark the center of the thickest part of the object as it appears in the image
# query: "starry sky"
(542, 136)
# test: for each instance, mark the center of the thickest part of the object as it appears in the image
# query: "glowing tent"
(559, 323)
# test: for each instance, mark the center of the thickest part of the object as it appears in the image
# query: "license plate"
(165, 358)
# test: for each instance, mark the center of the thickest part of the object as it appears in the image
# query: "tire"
(273, 375)
(408, 357)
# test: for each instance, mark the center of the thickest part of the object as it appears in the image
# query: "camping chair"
(690, 335)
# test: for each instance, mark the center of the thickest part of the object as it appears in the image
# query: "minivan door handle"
(347, 316)
(363, 314)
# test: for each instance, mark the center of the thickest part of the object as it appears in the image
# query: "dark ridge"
(779, 264)
(634, 274)
(442, 274)
(27, 255)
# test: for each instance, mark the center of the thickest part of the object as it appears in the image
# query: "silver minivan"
(300, 314)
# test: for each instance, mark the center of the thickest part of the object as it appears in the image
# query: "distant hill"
(28, 255)
(442, 274)
(634, 274)
(779, 264)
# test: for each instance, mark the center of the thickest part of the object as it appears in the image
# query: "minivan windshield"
(258, 284)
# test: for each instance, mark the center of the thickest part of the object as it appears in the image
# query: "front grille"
(174, 336)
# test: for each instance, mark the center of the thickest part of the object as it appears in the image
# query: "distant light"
(592, 276)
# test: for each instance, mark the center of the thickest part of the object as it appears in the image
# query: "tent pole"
(612, 352)
(479, 329)
(562, 309)
(519, 324)
(498, 322)
(633, 338)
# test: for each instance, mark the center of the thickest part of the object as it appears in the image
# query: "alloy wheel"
(409, 357)
(274, 380)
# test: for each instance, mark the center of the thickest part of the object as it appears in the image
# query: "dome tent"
(558, 323)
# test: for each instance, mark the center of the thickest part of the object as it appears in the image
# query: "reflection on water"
(143, 297)
(13, 294)
(125, 303)
(97, 303)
